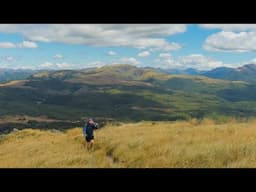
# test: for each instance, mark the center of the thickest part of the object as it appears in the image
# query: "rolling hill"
(121, 93)
(188, 71)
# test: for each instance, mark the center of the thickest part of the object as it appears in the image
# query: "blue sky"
(75, 46)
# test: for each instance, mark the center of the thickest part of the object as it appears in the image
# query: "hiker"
(88, 132)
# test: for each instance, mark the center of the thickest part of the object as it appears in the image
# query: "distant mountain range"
(15, 74)
(245, 73)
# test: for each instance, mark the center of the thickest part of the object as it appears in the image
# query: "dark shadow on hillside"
(239, 94)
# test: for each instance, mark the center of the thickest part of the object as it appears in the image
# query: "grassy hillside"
(144, 144)
(124, 93)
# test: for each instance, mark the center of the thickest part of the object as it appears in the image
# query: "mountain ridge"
(246, 72)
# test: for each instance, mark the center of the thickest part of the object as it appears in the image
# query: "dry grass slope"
(144, 144)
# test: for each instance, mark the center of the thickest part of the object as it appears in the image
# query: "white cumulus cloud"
(231, 42)
(111, 53)
(63, 65)
(230, 27)
(200, 62)
(58, 56)
(27, 44)
(127, 60)
(127, 35)
(165, 55)
(24, 44)
(144, 54)
(197, 61)
(7, 45)
(94, 64)
(46, 65)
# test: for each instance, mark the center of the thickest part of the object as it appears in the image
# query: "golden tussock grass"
(145, 144)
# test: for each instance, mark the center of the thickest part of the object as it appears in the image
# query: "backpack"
(84, 129)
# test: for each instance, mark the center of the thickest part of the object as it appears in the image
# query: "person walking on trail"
(88, 129)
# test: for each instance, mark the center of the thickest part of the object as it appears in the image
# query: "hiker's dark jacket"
(88, 129)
